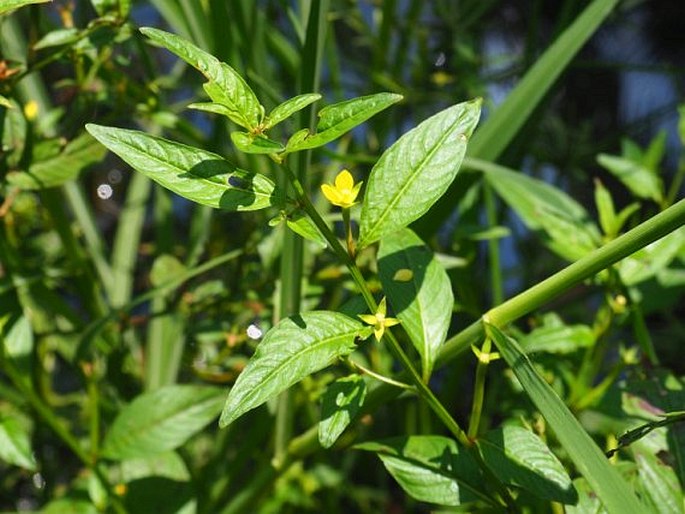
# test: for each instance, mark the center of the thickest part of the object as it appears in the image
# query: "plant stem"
(479, 388)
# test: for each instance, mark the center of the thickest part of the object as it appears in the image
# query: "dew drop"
(105, 191)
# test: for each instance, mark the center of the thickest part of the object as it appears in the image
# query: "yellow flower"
(345, 191)
(31, 110)
(379, 321)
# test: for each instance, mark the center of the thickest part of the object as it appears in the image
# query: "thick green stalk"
(292, 255)
(494, 261)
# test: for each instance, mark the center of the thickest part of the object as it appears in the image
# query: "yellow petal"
(382, 307)
(378, 332)
(368, 318)
(403, 275)
(391, 322)
(344, 180)
(331, 194)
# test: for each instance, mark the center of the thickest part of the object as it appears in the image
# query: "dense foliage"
(257, 259)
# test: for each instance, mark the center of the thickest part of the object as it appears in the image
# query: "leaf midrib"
(411, 180)
(196, 177)
(247, 399)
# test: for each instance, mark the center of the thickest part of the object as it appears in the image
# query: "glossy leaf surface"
(339, 405)
(337, 119)
(416, 171)
(419, 291)
(519, 458)
(15, 446)
(430, 468)
(289, 107)
(226, 86)
(294, 348)
(195, 174)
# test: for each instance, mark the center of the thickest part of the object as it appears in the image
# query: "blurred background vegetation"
(128, 288)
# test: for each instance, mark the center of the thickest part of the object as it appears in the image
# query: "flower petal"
(331, 194)
(344, 180)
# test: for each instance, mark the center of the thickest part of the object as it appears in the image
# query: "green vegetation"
(242, 271)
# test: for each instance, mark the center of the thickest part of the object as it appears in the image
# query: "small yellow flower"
(379, 321)
(345, 191)
(31, 110)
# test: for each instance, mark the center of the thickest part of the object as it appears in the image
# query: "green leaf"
(337, 119)
(195, 174)
(301, 224)
(608, 484)
(225, 85)
(413, 297)
(648, 261)
(289, 107)
(56, 170)
(430, 468)
(18, 346)
(58, 37)
(70, 506)
(292, 350)
(9, 5)
(519, 458)
(559, 339)
(255, 144)
(640, 180)
(339, 406)
(166, 268)
(15, 446)
(161, 420)
(564, 224)
(167, 465)
(658, 485)
(416, 171)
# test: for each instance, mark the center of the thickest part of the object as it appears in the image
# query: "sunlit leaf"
(225, 85)
(255, 144)
(339, 405)
(8, 5)
(422, 301)
(15, 445)
(519, 458)
(289, 107)
(195, 174)
(337, 119)
(430, 468)
(293, 349)
(640, 180)
(415, 171)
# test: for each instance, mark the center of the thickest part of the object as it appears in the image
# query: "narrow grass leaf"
(225, 85)
(606, 481)
(564, 224)
(292, 350)
(519, 458)
(416, 171)
(419, 291)
(161, 420)
(337, 119)
(339, 406)
(9, 5)
(430, 468)
(15, 446)
(289, 107)
(195, 174)
(58, 169)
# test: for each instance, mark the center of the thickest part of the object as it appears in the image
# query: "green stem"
(494, 260)
(479, 388)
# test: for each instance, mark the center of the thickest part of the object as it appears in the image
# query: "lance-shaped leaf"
(337, 119)
(292, 350)
(225, 86)
(195, 174)
(339, 405)
(289, 107)
(564, 224)
(641, 181)
(605, 479)
(518, 457)
(161, 420)
(15, 446)
(419, 291)
(430, 468)
(414, 172)
(58, 169)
